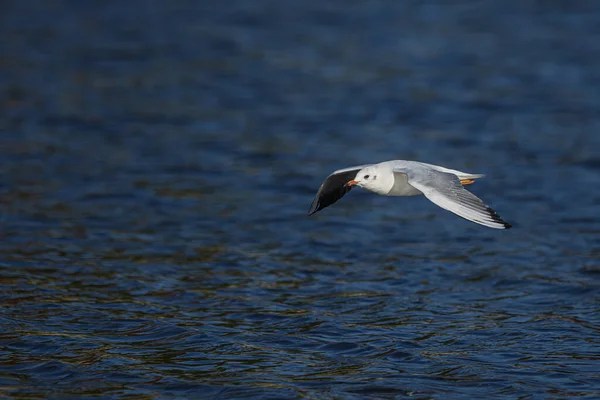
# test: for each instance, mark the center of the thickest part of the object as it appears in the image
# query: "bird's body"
(442, 186)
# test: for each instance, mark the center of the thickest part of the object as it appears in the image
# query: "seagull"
(443, 186)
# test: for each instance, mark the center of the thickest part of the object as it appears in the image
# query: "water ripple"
(157, 163)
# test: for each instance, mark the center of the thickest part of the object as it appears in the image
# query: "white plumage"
(442, 186)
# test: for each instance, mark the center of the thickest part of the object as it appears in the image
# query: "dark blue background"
(157, 160)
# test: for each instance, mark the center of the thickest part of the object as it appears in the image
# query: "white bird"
(442, 186)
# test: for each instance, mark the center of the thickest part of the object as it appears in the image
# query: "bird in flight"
(442, 186)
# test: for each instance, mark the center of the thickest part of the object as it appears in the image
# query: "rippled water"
(157, 162)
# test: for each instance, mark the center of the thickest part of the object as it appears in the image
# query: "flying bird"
(442, 186)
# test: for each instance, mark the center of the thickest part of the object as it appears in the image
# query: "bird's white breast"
(401, 187)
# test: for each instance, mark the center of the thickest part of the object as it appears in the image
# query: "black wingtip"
(496, 218)
(314, 207)
(333, 189)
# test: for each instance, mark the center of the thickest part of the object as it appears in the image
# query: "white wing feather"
(445, 190)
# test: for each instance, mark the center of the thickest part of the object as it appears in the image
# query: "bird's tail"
(467, 179)
(461, 175)
(464, 176)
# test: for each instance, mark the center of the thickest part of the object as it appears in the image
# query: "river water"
(158, 159)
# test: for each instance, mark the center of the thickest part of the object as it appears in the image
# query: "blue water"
(158, 159)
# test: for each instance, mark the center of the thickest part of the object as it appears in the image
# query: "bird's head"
(365, 178)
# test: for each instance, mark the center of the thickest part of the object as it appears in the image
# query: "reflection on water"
(157, 164)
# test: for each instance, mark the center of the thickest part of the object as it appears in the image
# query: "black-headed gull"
(442, 186)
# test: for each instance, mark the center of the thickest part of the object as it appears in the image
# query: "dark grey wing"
(445, 190)
(333, 188)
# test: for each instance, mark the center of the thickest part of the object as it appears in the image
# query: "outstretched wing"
(334, 188)
(445, 190)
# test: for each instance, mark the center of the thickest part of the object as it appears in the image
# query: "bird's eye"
(366, 176)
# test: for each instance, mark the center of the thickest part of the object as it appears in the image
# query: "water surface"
(157, 162)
